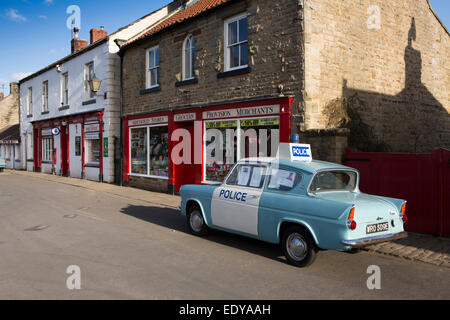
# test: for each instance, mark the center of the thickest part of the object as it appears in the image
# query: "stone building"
(9, 127)
(364, 74)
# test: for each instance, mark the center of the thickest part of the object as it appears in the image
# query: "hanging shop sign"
(242, 112)
(56, 131)
(145, 121)
(184, 117)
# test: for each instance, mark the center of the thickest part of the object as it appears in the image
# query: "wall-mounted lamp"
(95, 84)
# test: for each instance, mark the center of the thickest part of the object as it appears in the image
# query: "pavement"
(417, 247)
(134, 244)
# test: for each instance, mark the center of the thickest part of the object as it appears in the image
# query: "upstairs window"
(188, 58)
(88, 76)
(44, 96)
(65, 89)
(30, 101)
(236, 43)
(152, 65)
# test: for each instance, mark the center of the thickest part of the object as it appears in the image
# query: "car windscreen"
(333, 181)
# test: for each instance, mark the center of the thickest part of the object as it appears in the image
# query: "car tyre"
(298, 247)
(196, 222)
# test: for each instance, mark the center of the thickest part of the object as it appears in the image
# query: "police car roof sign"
(295, 151)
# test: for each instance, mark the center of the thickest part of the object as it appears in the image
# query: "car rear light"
(403, 214)
(351, 223)
(404, 218)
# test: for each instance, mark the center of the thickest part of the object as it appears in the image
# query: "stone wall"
(275, 58)
(9, 107)
(380, 68)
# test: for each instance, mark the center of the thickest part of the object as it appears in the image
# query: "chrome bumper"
(358, 243)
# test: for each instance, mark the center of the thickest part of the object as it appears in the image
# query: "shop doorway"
(187, 173)
(64, 151)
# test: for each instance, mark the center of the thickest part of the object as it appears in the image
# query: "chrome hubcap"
(196, 221)
(296, 247)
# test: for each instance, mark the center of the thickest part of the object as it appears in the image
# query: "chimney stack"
(76, 43)
(98, 34)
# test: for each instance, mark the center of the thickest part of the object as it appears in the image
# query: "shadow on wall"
(411, 121)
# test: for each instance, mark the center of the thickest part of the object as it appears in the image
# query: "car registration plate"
(378, 227)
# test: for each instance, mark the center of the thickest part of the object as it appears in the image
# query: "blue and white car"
(303, 205)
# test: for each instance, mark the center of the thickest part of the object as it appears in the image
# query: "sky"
(33, 33)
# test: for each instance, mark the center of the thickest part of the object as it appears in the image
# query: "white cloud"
(43, 17)
(48, 1)
(15, 16)
(20, 75)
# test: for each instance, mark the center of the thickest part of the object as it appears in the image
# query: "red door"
(187, 173)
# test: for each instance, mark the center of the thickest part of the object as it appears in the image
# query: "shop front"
(164, 151)
(70, 146)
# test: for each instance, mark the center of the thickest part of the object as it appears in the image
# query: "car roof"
(312, 166)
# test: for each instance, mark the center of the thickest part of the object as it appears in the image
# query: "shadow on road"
(172, 219)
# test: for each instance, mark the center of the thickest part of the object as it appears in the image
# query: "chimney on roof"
(76, 43)
(98, 34)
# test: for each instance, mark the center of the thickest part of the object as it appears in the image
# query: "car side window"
(244, 175)
(283, 180)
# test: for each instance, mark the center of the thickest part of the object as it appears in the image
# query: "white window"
(30, 101)
(93, 151)
(149, 151)
(88, 75)
(47, 146)
(152, 65)
(44, 96)
(188, 58)
(65, 89)
(236, 43)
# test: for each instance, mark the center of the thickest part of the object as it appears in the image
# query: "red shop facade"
(155, 144)
(60, 145)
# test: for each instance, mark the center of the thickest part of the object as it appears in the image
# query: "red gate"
(421, 179)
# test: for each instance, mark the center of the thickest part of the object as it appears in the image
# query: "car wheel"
(298, 247)
(196, 222)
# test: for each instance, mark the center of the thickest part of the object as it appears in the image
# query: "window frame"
(44, 97)
(87, 151)
(47, 141)
(30, 101)
(149, 69)
(313, 193)
(148, 175)
(238, 142)
(88, 93)
(227, 47)
(189, 39)
(65, 89)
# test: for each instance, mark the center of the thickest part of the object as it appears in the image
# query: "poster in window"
(78, 146)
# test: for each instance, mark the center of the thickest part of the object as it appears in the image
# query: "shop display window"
(93, 151)
(138, 144)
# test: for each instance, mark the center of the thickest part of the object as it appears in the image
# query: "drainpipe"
(120, 53)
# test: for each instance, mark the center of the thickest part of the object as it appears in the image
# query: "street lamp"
(95, 84)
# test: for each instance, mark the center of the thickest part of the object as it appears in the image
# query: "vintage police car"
(303, 205)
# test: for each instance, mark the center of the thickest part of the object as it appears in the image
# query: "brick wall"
(381, 69)
(275, 56)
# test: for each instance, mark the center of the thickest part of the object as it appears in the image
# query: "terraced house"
(369, 74)
(70, 110)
